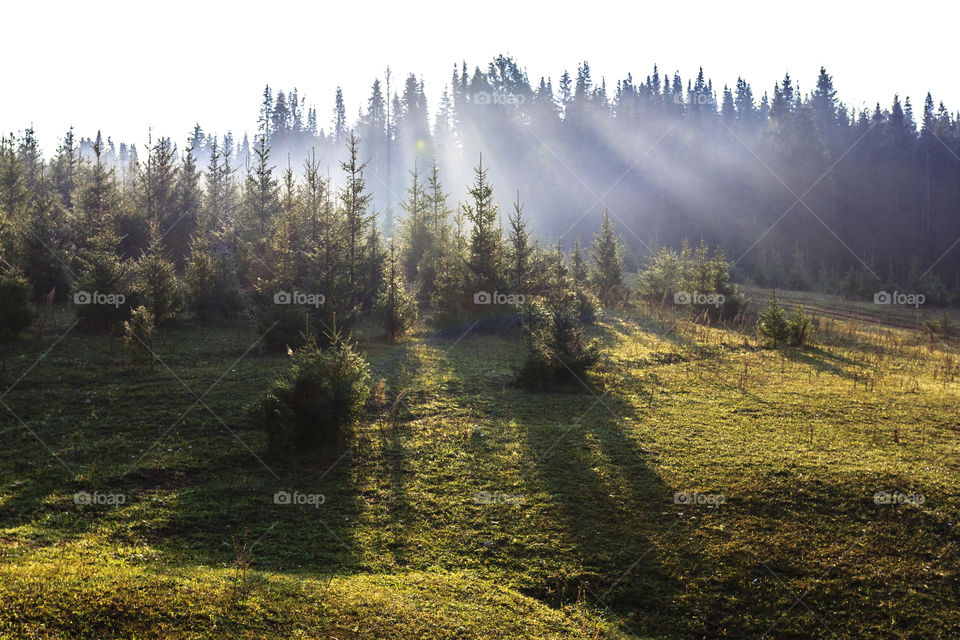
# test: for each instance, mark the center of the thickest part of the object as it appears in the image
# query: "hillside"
(695, 486)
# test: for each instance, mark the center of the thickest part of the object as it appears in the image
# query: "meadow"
(693, 485)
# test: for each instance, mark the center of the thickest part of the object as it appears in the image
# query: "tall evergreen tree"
(606, 253)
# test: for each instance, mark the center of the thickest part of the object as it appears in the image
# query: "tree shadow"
(823, 361)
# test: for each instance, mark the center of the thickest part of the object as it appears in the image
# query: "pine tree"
(558, 352)
(65, 169)
(158, 182)
(354, 201)
(138, 334)
(520, 252)
(587, 303)
(578, 267)
(188, 198)
(606, 254)
(210, 282)
(485, 258)
(260, 204)
(45, 249)
(372, 269)
(773, 323)
(98, 195)
(157, 281)
(339, 119)
(823, 101)
(266, 114)
(14, 200)
(438, 212)
(415, 229)
(449, 298)
(314, 200)
(101, 271)
(285, 250)
(396, 307)
(799, 327)
(200, 279)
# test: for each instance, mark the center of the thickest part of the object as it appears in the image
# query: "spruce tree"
(558, 349)
(449, 299)
(520, 251)
(260, 203)
(438, 212)
(396, 307)
(99, 197)
(606, 253)
(188, 200)
(354, 202)
(210, 282)
(485, 257)
(100, 270)
(65, 169)
(46, 248)
(415, 228)
(157, 281)
(772, 323)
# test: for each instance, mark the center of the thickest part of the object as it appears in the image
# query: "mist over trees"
(798, 189)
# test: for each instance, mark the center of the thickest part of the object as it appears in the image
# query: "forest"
(800, 190)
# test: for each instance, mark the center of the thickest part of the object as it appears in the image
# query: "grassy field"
(695, 486)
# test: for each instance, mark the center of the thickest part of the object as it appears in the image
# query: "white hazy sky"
(124, 66)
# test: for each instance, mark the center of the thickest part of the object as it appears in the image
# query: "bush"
(691, 276)
(778, 330)
(944, 327)
(323, 394)
(138, 335)
(558, 352)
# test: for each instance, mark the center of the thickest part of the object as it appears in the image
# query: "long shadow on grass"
(595, 521)
(298, 511)
(618, 518)
(823, 361)
(301, 522)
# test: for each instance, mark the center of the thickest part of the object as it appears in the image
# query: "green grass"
(588, 540)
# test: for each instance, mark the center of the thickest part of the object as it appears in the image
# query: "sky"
(123, 68)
